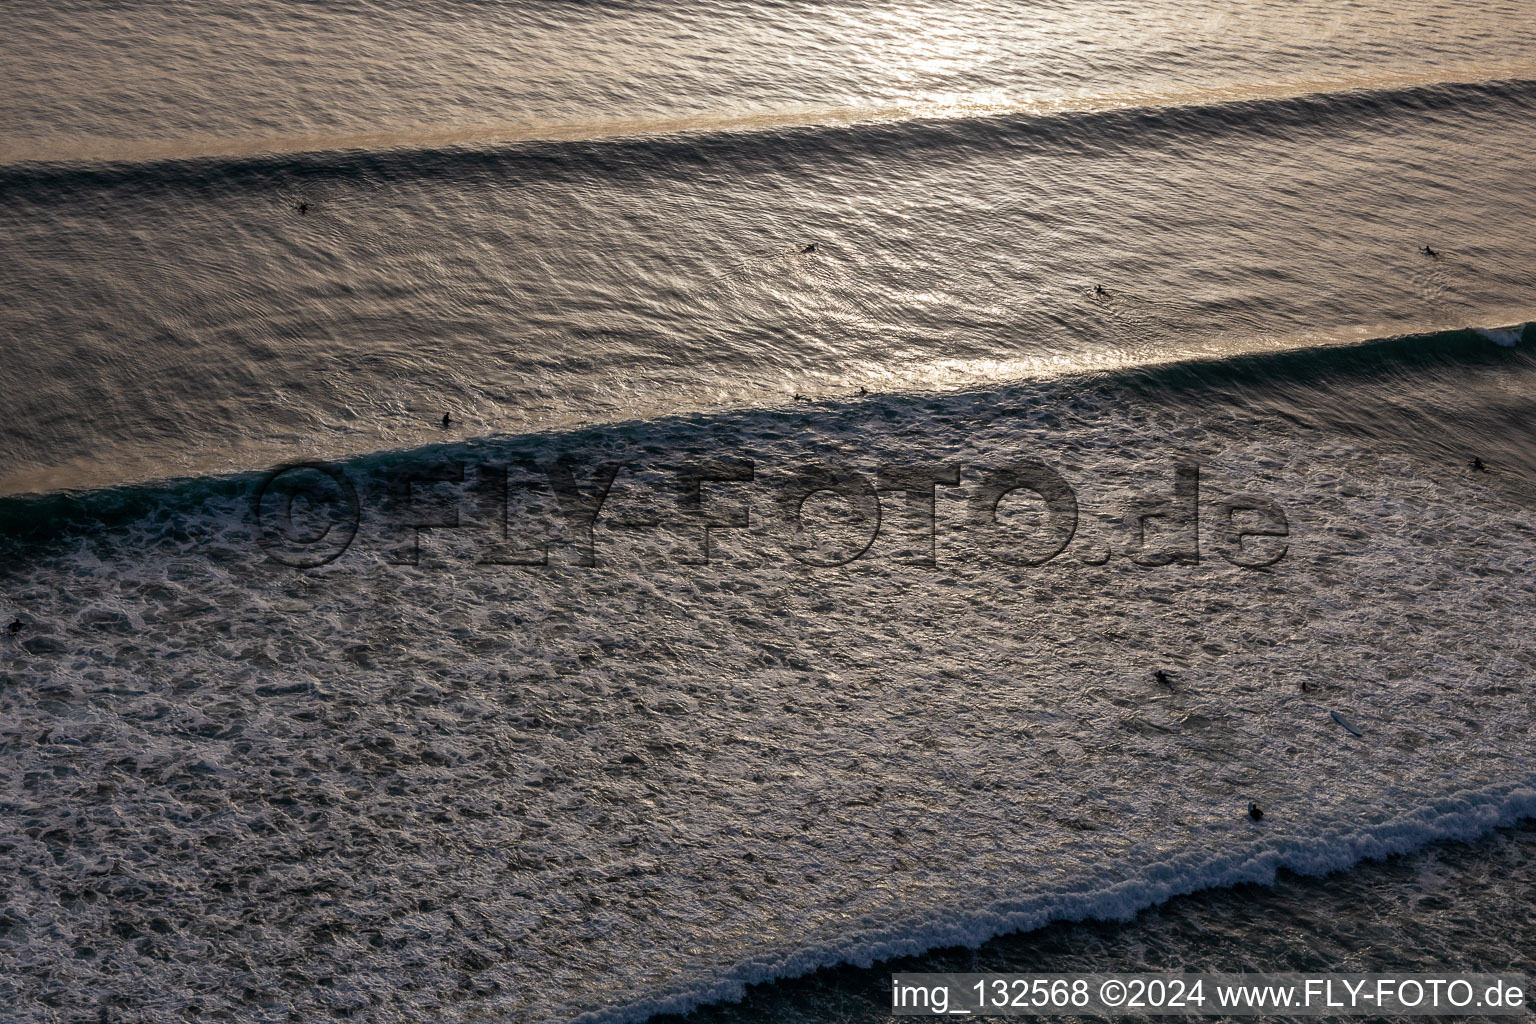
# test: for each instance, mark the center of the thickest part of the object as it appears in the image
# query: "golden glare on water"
(555, 511)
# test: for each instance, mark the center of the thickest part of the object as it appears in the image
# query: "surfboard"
(1347, 727)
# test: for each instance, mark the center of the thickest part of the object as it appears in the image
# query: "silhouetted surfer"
(1098, 290)
(809, 248)
(1254, 812)
(303, 207)
(801, 398)
(1427, 251)
(1477, 465)
(17, 626)
(1164, 678)
(446, 419)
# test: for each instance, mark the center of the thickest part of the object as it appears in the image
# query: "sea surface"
(850, 406)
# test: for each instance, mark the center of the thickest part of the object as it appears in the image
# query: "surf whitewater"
(600, 792)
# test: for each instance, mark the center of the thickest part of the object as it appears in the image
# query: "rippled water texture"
(967, 174)
(619, 242)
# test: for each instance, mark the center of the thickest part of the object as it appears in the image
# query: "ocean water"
(505, 719)
(1453, 903)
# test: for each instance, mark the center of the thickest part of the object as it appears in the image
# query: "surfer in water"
(1098, 290)
(446, 419)
(801, 398)
(1427, 251)
(1477, 465)
(1254, 812)
(809, 248)
(17, 626)
(303, 208)
(1163, 677)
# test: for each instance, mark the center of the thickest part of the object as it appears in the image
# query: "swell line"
(1462, 816)
(31, 519)
(781, 140)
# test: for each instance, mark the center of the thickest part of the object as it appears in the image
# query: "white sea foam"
(561, 791)
(1504, 337)
(1461, 816)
